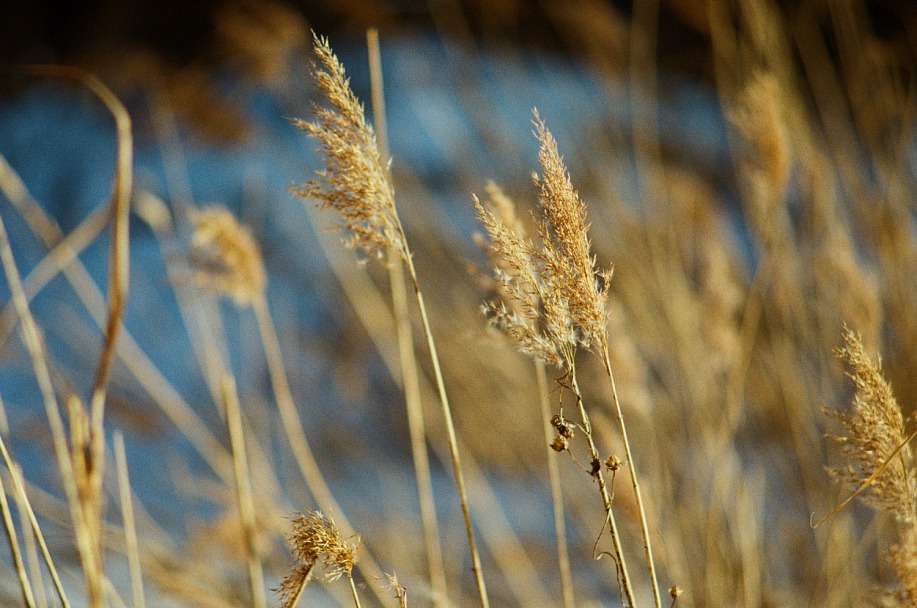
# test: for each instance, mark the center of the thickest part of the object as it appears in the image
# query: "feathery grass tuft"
(354, 182)
(315, 538)
(875, 431)
(225, 256)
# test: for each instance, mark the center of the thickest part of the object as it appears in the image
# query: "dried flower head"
(554, 295)
(875, 430)
(316, 537)
(529, 314)
(613, 463)
(401, 592)
(903, 559)
(570, 267)
(759, 119)
(225, 256)
(354, 182)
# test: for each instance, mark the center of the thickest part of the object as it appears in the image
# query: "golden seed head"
(554, 295)
(315, 536)
(613, 463)
(354, 182)
(225, 256)
(559, 444)
(675, 591)
(875, 428)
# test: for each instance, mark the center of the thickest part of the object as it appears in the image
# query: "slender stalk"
(30, 547)
(127, 516)
(19, 486)
(647, 544)
(621, 563)
(408, 359)
(244, 500)
(450, 430)
(35, 346)
(299, 444)
(353, 590)
(10, 530)
(560, 529)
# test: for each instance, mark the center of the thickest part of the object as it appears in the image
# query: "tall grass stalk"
(227, 259)
(408, 357)
(30, 547)
(35, 346)
(356, 185)
(131, 544)
(557, 498)
(607, 495)
(19, 487)
(9, 530)
(243, 485)
(644, 528)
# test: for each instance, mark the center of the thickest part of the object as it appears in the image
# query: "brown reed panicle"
(875, 430)
(556, 294)
(225, 256)
(877, 439)
(315, 538)
(512, 254)
(569, 267)
(354, 182)
(557, 300)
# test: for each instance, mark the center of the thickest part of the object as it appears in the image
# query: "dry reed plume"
(736, 260)
(356, 186)
(558, 296)
(316, 537)
(880, 463)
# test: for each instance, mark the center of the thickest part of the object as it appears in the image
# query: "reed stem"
(647, 543)
(621, 562)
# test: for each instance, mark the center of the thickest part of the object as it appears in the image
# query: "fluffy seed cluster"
(875, 430)
(903, 558)
(354, 182)
(225, 256)
(554, 295)
(316, 537)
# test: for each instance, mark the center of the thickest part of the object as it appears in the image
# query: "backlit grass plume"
(225, 256)
(356, 185)
(556, 303)
(880, 463)
(875, 430)
(315, 538)
(555, 293)
(354, 182)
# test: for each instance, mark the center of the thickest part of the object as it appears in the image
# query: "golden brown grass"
(713, 342)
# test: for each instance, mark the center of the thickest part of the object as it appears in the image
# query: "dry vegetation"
(667, 420)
